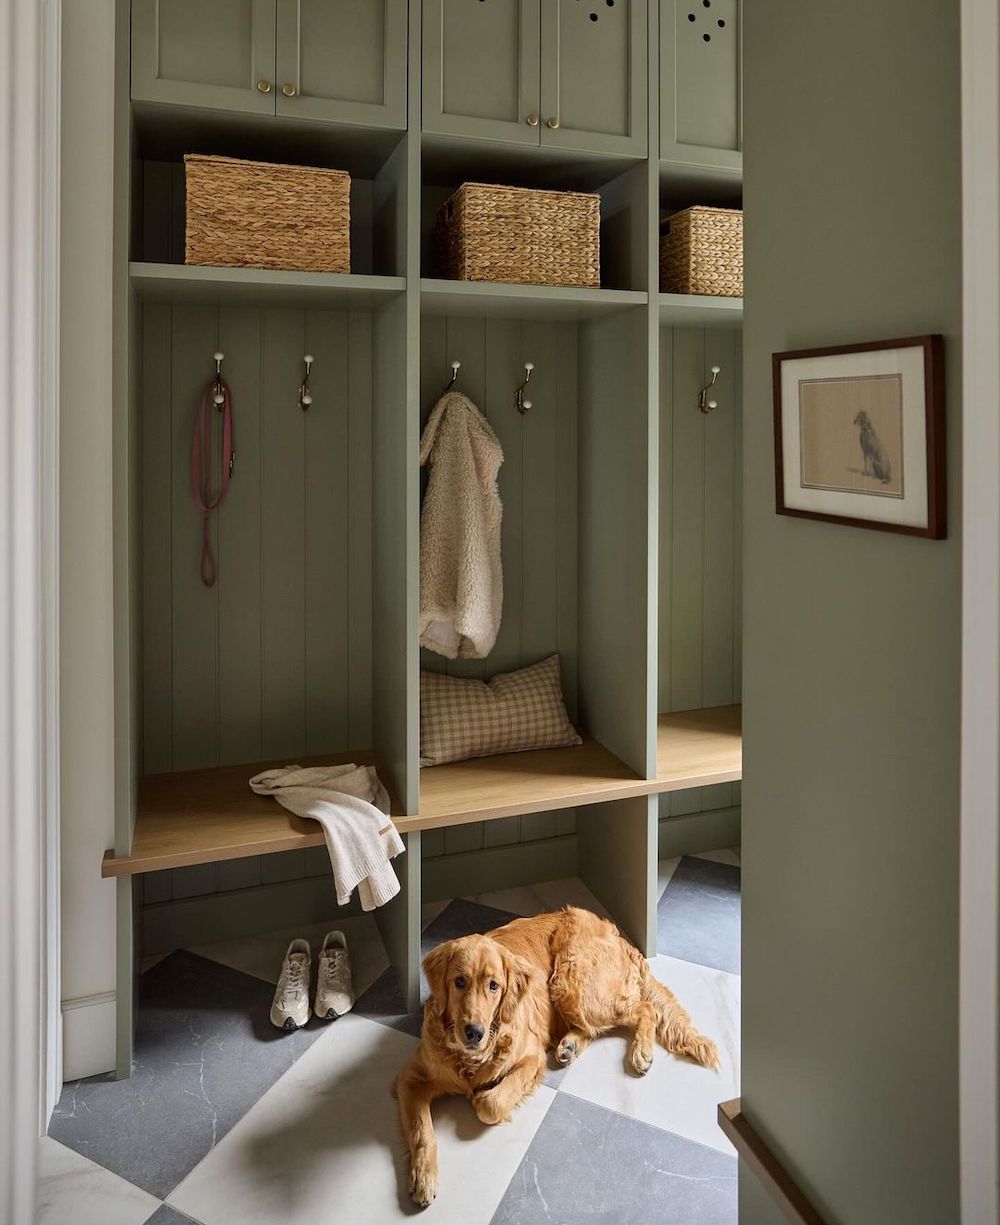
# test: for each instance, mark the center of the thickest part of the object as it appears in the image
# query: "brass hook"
(305, 397)
(520, 403)
(704, 403)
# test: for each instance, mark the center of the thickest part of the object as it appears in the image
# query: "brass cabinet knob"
(263, 87)
(552, 121)
(532, 121)
(288, 90)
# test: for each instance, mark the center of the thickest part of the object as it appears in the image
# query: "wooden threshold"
(205, 816)
(767, 1168)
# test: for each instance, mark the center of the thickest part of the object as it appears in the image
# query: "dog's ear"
(520, 973)
(436, 971)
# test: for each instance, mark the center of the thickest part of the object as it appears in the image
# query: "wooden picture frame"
(859, 435)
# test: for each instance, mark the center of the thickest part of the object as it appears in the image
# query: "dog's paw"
(423, 1186)
(640, 1059)
(488, 1110)
(567, 1051)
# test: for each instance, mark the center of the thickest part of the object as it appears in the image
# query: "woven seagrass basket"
(244, 214)
(701, 252)
(520, 236)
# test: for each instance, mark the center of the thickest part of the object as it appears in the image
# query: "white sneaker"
(290, 1009)
(334, 986)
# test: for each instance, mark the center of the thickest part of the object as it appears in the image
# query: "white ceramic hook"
(455, 367)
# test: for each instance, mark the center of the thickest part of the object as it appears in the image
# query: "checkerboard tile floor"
(227, 1120)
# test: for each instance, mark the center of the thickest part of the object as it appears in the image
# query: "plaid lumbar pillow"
(513, 712)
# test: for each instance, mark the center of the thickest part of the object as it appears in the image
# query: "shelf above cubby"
(183, 283)
(205, 816)
(484, 298)
(698, 311)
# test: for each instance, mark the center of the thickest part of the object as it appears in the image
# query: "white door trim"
(28, 560)
(980, 804)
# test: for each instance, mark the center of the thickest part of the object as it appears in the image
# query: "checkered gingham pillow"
(462, 718)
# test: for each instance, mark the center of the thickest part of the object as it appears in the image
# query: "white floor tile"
(730, 856)
(664, 871)
(75, 1191)
(262, 955)
(569, 892)
(675, 1094)
(323, 1144)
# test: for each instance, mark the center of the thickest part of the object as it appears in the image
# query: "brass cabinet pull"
(552, 121)
(288, 90)
(532, 121)
(263, 87)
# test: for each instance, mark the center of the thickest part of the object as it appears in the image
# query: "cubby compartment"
(700, 571)
(622, 188)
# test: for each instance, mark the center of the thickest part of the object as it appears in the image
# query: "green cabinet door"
(342, 60)
(594, 75)
(215, 53)
(480, 66)
(700, 111)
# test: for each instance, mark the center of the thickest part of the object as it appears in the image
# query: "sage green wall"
(851, 662)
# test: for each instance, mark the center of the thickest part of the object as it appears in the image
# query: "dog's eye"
(494, 986)
(460, 982)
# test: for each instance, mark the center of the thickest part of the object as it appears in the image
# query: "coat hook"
(520, 403)
(218, 392)
(455, 367)
(704, 403)
(305, 398)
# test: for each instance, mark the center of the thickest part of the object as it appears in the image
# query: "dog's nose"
(474, 1034)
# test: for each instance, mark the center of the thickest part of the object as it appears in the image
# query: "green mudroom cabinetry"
(620, 537)
(342, 62)
(561, 74)
(700, 112)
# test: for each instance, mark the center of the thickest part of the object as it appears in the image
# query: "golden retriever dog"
(498, 1003)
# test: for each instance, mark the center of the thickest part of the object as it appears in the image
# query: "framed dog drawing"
(859, 435)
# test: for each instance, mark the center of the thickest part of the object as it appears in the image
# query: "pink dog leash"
(215, 396)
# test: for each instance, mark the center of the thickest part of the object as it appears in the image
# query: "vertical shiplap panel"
(721, 428)
(326, 550)
(283, 536)
(567, 512)
(543, 455)
(359, 530)
(239, 526)
(503, 370)
(195, 606)
(157, 484)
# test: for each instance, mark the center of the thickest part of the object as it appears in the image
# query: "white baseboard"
(88, 1035)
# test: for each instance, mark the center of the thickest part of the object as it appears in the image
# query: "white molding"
(25, 423)
(980, 805)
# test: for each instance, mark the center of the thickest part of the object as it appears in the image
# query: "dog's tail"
(674, 1028)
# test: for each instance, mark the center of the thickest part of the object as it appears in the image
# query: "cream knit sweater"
(461, 580)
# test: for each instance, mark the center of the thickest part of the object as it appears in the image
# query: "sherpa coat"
(461, 581)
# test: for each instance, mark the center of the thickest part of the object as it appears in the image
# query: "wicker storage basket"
(520, 236)
(701, 252)
(256, 215)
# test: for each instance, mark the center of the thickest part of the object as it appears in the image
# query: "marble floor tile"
(540, 898)
(675, 1094)
(75, 1191)
(324, 1144)
(205, 1051)
(165, 1215)
(429, 911)
(262, 955)
(665, 870)
(588, 1164)
(698, 916)
(383, 1001)
(727, 855)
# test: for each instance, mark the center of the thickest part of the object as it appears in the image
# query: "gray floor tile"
(205, 1051)
(698, 918)
(586, 1163)
(165, 1215)
(383, 1000)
